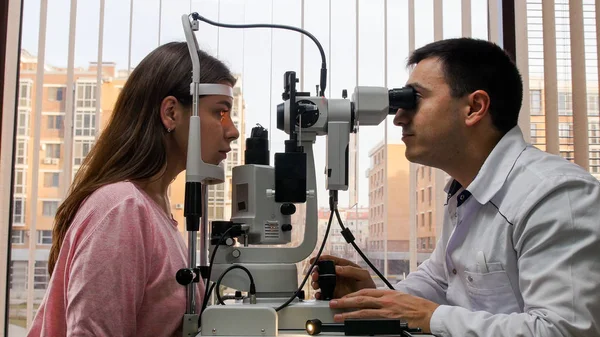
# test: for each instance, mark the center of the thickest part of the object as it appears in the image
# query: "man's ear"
(479, 107)
(168, 113)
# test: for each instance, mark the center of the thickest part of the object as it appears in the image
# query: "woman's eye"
(221, 113)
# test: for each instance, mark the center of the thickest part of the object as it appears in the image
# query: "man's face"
(433, 130)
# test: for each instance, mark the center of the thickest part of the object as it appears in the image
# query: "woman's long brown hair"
(132, 146)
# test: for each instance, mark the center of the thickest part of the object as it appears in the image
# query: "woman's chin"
(215, 161)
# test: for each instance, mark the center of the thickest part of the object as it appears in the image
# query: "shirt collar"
(497, 166)
(452, 186)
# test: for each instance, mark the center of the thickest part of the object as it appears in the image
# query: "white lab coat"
(520, 253)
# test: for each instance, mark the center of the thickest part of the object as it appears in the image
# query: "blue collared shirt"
(520, 249)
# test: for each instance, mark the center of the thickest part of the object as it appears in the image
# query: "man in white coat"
(520, 248)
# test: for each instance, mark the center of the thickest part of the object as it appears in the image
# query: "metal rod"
(204, 230)
(191, 287)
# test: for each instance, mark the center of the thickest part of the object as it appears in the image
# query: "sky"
(262, 56)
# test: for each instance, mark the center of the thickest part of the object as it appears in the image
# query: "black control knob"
(301, 295)
(326, 279)
(286, 227)
(238, 295)
(184, 276)
(287, 209)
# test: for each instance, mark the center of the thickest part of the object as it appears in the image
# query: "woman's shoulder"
(119, 202)
(112, 195)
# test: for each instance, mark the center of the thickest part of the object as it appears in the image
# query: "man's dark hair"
(470, 65)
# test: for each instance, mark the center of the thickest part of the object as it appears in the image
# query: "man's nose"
(402, 117)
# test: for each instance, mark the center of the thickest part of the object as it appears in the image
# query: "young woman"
(116, 247)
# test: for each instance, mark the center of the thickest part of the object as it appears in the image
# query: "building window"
(592, 104)
(23, 123)
(51, 179)
(565, 104)
(81, 148)
(85, 123)
(86, 95)
(53, 151)
(535, 102)
(49, 208)
(17, 237)
(565, 130)
(41, 276)
(44, 237)
(594, 133)
(430, 169)
(21, 155)
(20, 181)
(595, 161)
(55, 122)
(429, 194)
(533, 132)
(422, 219)
(19, 210)
(56, 93)
(25, 94)
(430, 216)
(18, 275)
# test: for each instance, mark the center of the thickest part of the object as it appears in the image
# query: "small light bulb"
(313, 327)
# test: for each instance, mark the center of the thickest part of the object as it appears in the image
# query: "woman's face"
(216, 128)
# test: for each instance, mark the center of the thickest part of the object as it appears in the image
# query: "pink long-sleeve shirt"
(115, 274)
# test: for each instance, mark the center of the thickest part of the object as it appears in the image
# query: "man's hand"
(376, 303)
(349, 277)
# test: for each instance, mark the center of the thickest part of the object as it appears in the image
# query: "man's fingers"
(337, 260)
(368, 292)
(314, 285)
(352, 272)
(318, 295)
(364, 313)
(358, 302)
(314, 276)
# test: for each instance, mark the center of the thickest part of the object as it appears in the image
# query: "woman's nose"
(231, 131)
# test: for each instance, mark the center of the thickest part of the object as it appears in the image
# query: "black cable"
(235, 266)
(350, 239)
(208, 289)
(212, 286)
(312, 266)
(322, 77)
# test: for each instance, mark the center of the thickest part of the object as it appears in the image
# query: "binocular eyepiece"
(403, 98)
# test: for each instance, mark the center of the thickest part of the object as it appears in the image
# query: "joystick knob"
(326, 279)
